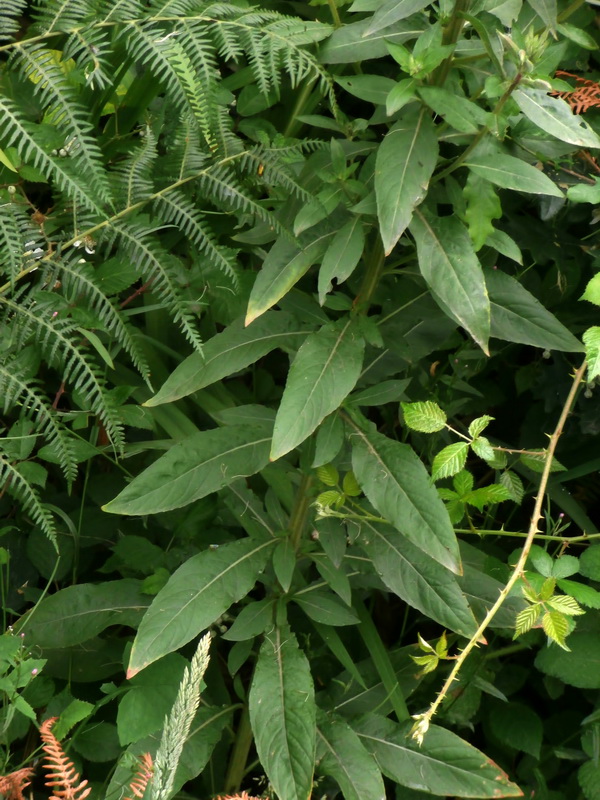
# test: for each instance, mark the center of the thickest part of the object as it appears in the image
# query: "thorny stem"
(423, 720)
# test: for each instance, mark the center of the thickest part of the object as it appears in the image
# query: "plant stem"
(335, 14)
(423, 720)
(506, 651)
(301, 102)
(481, 133)
(450, 37)
(299, 512)
(239, 756)
(586, 537)
(372, 275)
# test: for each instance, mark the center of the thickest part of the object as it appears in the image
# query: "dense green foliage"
(291, 298)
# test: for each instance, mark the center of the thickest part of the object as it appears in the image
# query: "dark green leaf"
(325, 608)
(229, 352)
(509, 172)
(196, 595)
(202, 464)
(341, 754)
(417, 579)
(342, 256)
(405, 161)
(554, 115)
(323, 373)
(283, 715)
(449, 265)
(397, 484)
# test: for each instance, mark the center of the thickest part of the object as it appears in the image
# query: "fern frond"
(62, 15)
(56, 337)
(78, 282)
(12, 220)
(266, 161)
(26, 393)
(119, 10)
(10, 22)
(12, 785)
(91, 48)
(164, 270)
(175, 207)
(142, 777)
(221, 187)
(150, 45)
(62, 106)
(20, 134)
(63, 779)
(185, 156)
(176, 8)
(16, 484)
(197, 79)
(134, 176)
(179, 721)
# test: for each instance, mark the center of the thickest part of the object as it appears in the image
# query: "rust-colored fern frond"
(12, 785)
(585, 95)
(240, 796)
(63, 778)
(140, 780)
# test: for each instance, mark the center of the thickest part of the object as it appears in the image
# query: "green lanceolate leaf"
(405, 162)
(325, 608)
(341, 755)
(554, 115)
(323, 373)
(391, 11)
(342, 256)
(80, 612)
(509, 172)
(284, 265)
(518, 317)
(443, 765)
(396, 482)
(229, 352)
(419, 580)
(203, 463)
(483, 206)
(195, 596)
(283, 715)
(449, 265)
(458, 112)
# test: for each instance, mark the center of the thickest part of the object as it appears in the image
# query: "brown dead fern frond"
(63, 777)
(140, 780)
(585, 95)
(12, 785)
(240, 796)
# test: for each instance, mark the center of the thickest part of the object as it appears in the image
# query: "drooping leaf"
(509, 172)
(325, 608)
(202, 464)
(342, 256)
(443, 765)
(323, 373)
(460, 113)
(351, 42)
(195, 596)
(391, 11)
(229, 352)
(283, 715)
(417, 579)
(517, 727)
(554, 115)
(448, 263)
(341, 755)
(396, 482)
(405, 162)
(78, 613)
(518, 317)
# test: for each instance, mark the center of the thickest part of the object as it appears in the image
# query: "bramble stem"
(423, 720)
